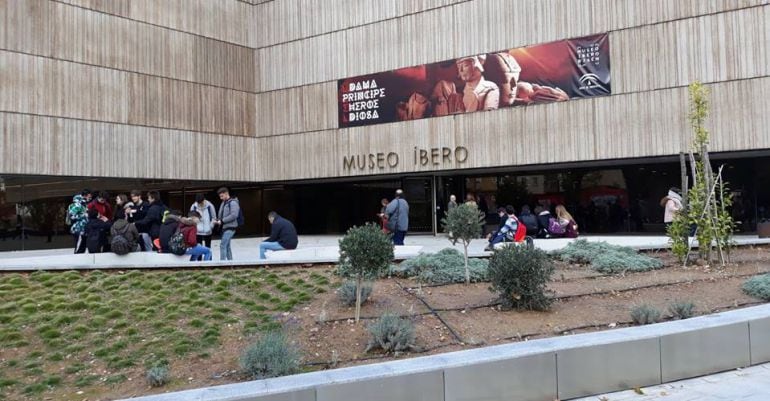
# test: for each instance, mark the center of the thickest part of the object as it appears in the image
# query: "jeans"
(198, 250)
(225, 253)
(204, 240)
(145, 242)
(398, 237)
(498, 238)
(269, 246)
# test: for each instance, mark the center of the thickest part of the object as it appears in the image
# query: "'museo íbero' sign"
(436, 157)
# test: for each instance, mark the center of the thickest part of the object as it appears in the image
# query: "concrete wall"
(540, 370)
(255, 81)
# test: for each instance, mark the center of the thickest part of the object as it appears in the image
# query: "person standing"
(102, 205)
(137, 213)
(397, 212)
(672, 204)
(227, 218)
(452, 203)
(77, 216)
(207, 214)
(383, 217)
(149, 225)
(283, 235)
(121, 201)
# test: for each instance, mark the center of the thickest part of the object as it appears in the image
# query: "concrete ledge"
(759, 334)
(532, 370)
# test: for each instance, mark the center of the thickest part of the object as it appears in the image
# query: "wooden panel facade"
(65, 32)
(43, 86)
(225, 20)
(283, 21)
(464, 29)
(646, 58)
(61, 146)
(642, 124)
(119, 88)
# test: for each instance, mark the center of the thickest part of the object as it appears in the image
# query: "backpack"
(554, 227)
(240, 220)
(530, 221)
(176, 243)
(120, 245)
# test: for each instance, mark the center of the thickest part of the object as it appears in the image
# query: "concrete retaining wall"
(540, 370)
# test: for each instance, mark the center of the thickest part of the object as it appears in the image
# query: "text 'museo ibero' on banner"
(545, 73)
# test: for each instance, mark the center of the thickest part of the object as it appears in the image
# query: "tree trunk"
(683, 172)
(467, 271)
(359, 284)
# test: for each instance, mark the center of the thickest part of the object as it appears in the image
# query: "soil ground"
(446, 318)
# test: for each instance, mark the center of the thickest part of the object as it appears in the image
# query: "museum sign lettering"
(443, 157)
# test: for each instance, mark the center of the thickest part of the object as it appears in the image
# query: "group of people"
(138, 225)
(540, 224)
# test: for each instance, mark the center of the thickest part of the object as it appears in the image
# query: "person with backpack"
(96, 232)
(168, 228)
(501, 212)
(513, 231)
(149, 225)
(123, 235)
(77, 219)
(283, 235)
(229, 218)
(564, 225)
(529, 220)
(397, 212)
(207, 214)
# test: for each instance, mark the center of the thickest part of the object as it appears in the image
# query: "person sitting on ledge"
(283, 235)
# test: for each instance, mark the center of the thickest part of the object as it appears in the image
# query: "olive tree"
(463, 223)
(365, 252)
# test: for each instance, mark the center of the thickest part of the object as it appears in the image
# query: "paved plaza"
(311, 249)
(749, 384)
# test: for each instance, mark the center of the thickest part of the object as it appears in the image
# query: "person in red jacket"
(102, 205)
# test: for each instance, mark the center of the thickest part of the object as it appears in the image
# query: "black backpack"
(119, 244)
(176, 243)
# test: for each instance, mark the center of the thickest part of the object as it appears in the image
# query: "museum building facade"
(318, 109)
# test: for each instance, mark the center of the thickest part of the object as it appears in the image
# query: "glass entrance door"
(418, 191)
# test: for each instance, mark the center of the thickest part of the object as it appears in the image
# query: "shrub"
(444, 267)
(347, 292)
(682, 309)
(464, 223)
(365, 252)
(758, 287)
(391, 334)
(270, 356)
(519, 275)
(157, 376)
(645, 314)
(606, 258)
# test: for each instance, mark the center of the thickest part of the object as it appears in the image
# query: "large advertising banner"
(551, 72)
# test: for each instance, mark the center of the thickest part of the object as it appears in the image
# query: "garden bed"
(76, 336)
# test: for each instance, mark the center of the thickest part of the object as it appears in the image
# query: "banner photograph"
(551, 72)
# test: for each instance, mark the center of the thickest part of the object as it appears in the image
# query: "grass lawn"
(76, 335)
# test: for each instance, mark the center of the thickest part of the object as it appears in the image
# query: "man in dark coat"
(398, 217)
(149, 226)
(283, 235)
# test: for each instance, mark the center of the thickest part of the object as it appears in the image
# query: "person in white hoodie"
(205, 226)
(672, 204)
